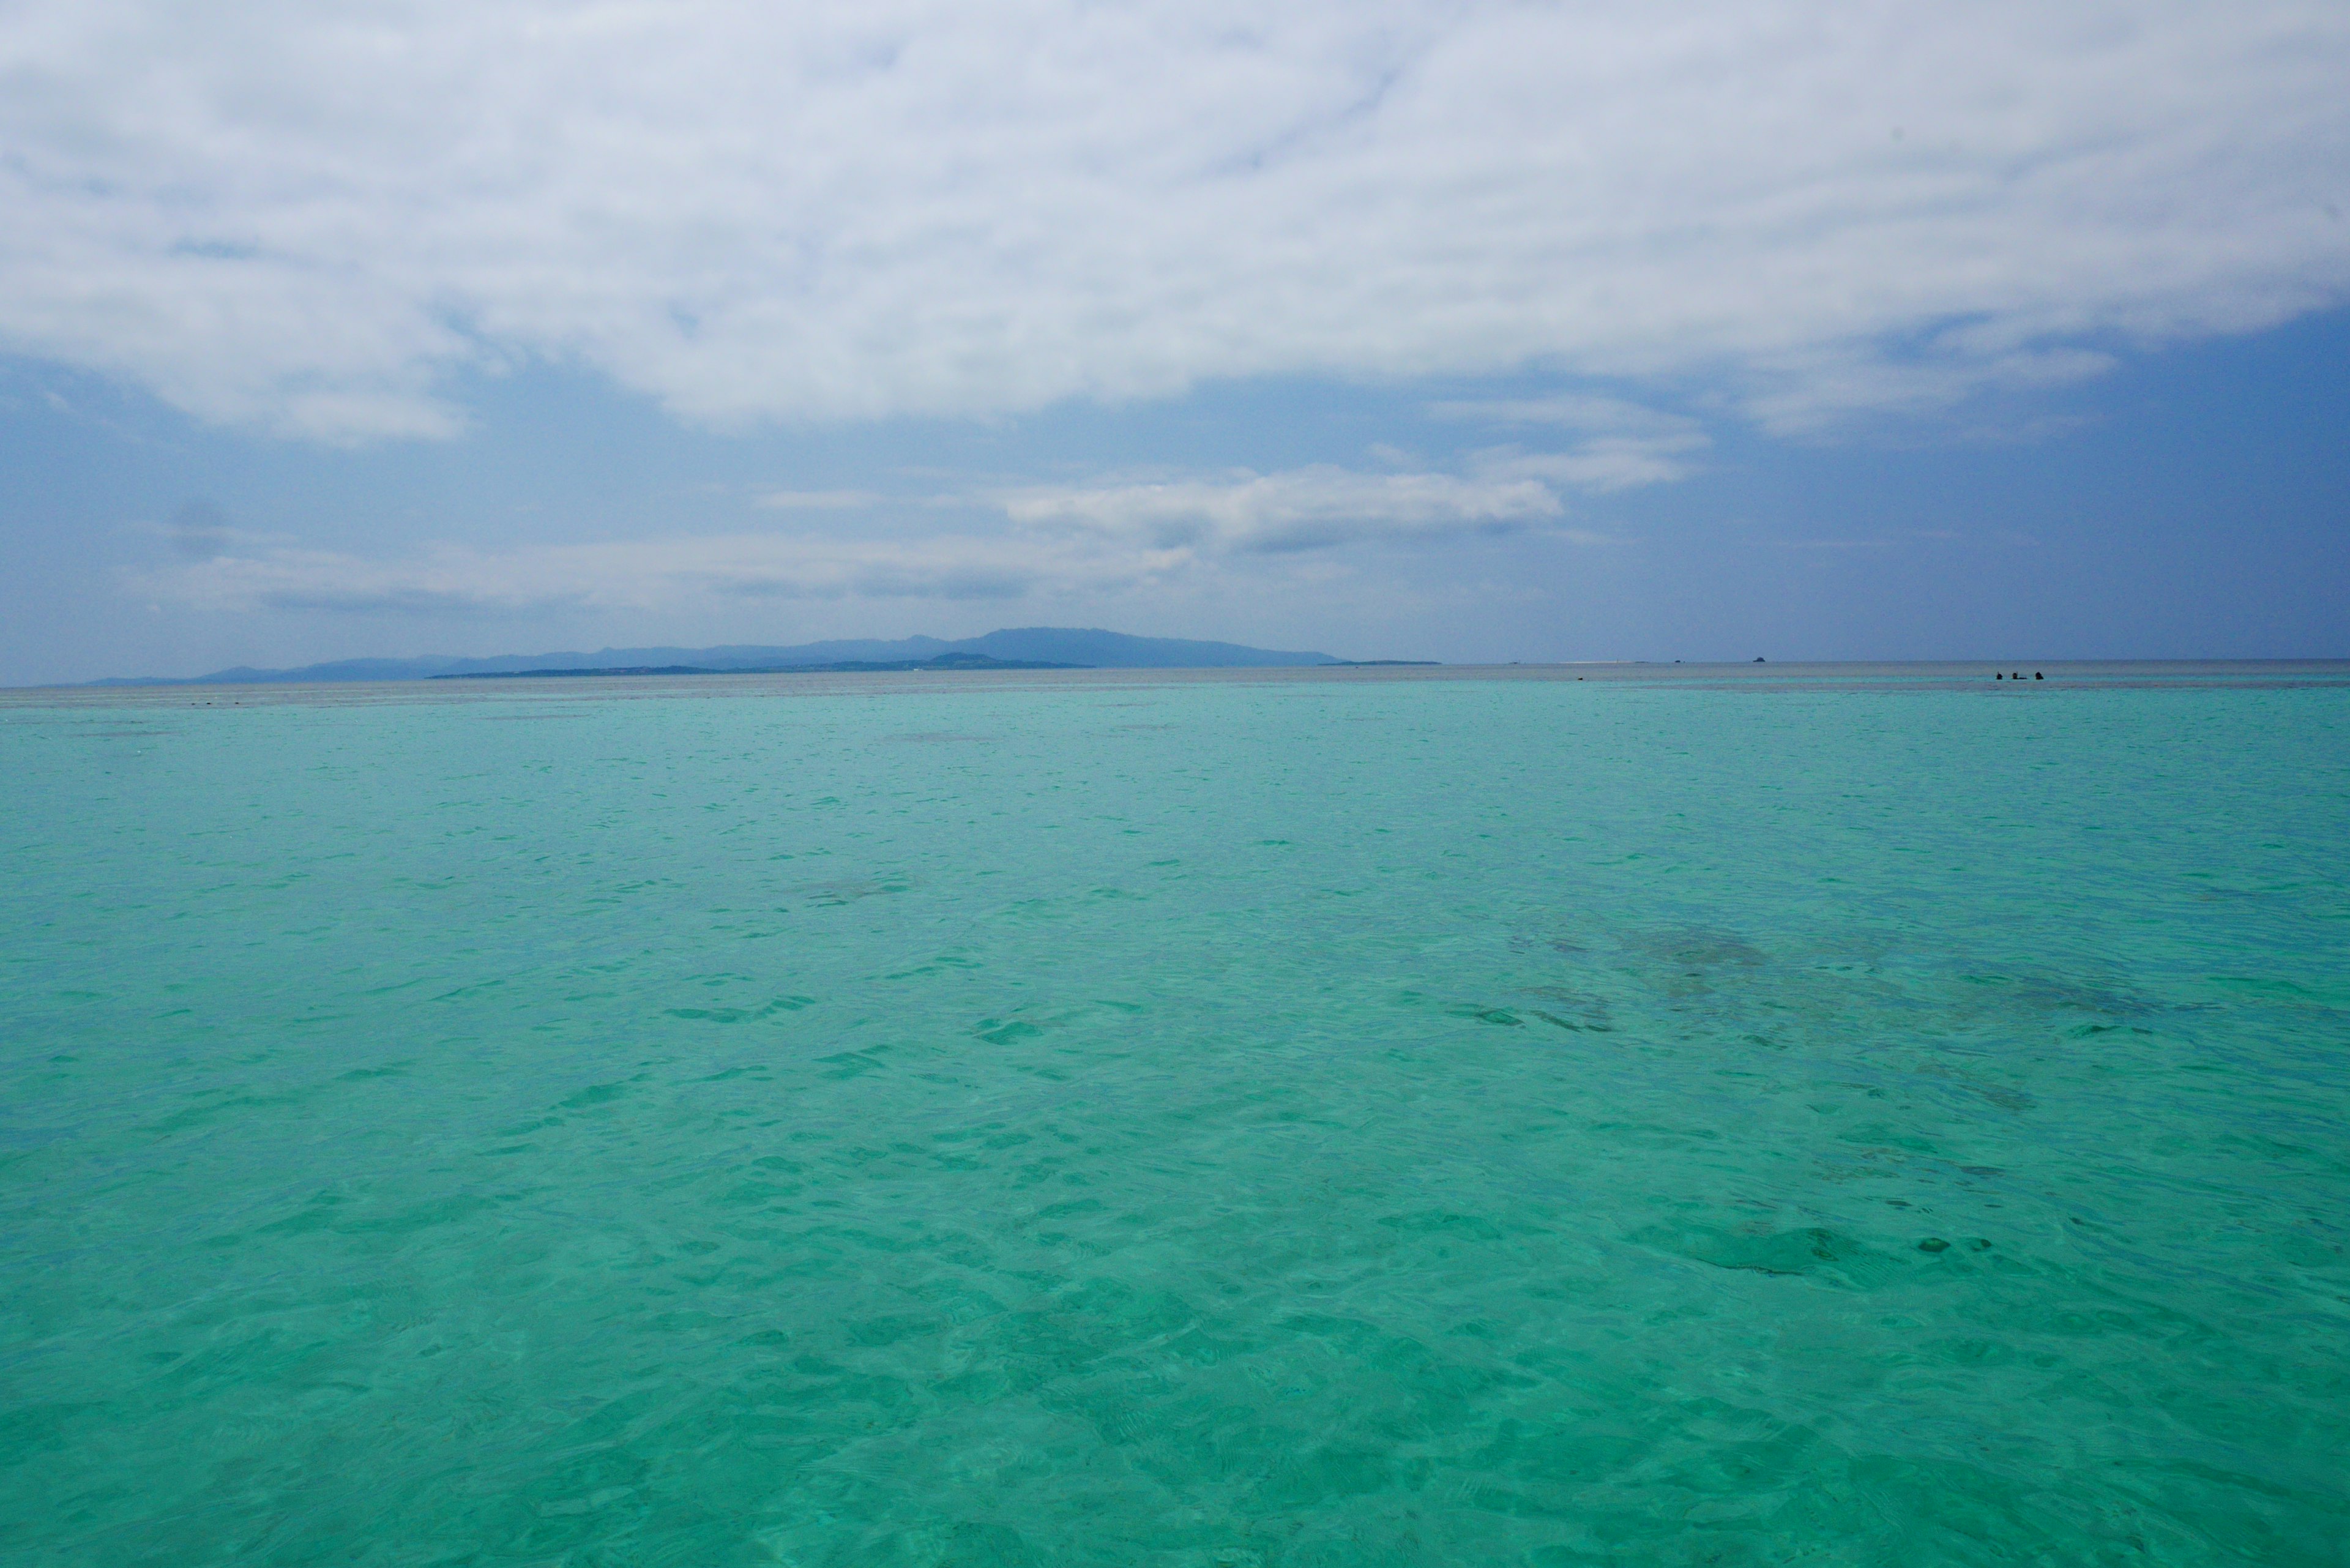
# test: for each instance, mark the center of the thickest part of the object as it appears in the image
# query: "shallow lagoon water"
(1261, 1119)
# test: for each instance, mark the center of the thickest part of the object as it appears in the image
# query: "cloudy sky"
(1389, 327)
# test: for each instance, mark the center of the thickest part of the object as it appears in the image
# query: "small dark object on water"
(2037, 675)
(1760, 659)
(1995, 675)
(1933, 1244)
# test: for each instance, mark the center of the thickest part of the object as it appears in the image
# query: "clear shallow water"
(1178, 1121)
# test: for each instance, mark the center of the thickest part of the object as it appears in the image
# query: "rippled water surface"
(1178, 1121)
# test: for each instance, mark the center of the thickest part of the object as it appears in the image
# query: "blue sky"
(1465, 331)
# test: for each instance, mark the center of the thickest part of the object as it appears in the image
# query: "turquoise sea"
(1674, 1115)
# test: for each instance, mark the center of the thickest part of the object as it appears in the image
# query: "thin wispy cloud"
(1611, 463)
(637, 575)
(1053, 541)
(1587, 412)
(1624, 445)
(1304, 509)
(284, 219)
(819, 500)
(1811, 392)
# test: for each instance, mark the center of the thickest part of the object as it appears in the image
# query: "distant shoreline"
(873, 667)
(2074, 677)
(839, 666)
(1011, 647)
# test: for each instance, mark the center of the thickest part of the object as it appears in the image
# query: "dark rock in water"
(1694, 945)
(1574, 1010)
(2058, 995)
(1933, 1244)
(1828, 1256)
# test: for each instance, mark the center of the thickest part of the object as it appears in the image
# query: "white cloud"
(306, 217)
(1061, 541)
(1812, 390)
(1626, 445)
(633, 575)
(1302, 509)
(1576, 411)
(819, 500)
(1610, 463)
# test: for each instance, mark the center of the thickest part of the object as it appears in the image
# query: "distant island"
(838, 667)
(1025, 648)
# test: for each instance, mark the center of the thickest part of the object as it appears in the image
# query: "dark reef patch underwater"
(1187, 1119)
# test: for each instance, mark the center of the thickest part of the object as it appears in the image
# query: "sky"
(1464, 331)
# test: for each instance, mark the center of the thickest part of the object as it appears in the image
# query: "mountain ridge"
(1036, 645)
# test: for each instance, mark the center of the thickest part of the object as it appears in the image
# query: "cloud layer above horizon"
(317, 222)
(1061, 541)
